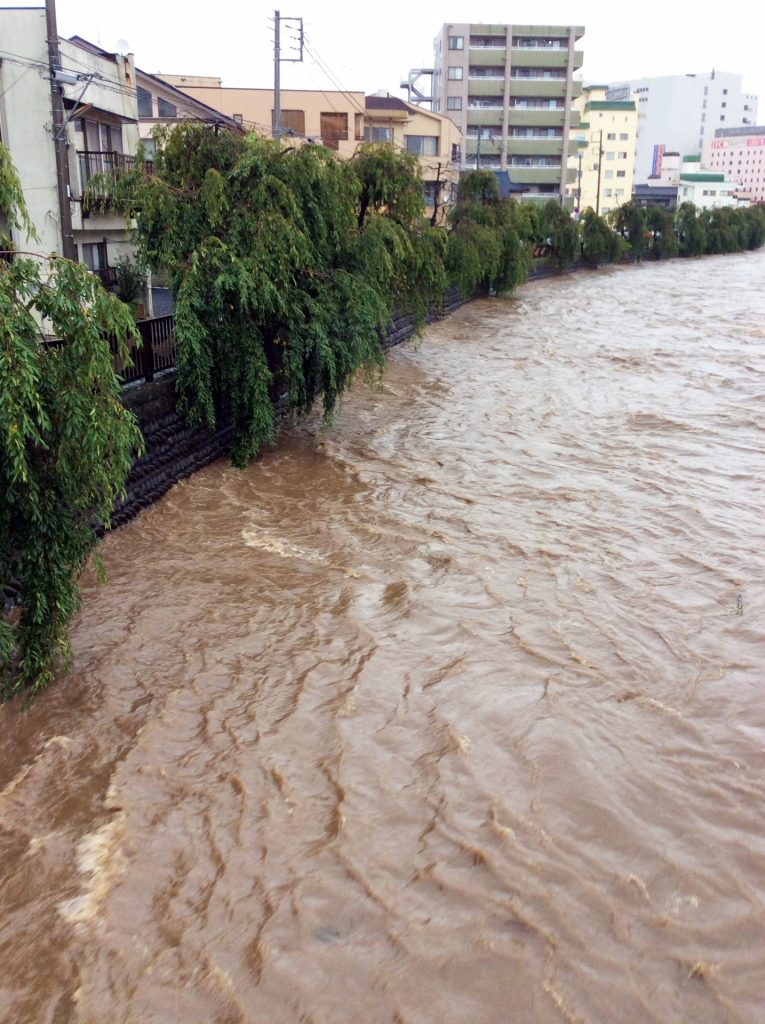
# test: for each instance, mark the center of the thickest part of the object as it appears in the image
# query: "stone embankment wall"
(174, 450)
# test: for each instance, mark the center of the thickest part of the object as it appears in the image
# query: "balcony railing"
(106, 162)
(107, 276)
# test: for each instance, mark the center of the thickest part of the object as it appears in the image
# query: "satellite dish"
(123, 47)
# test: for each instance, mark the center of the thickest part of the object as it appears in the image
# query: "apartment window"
(144, 102)
(622, 156)
(623, 136)
(455, 74)
(334, 128)
(358, 124)
(621, 174)
(611, 137)
(722, 117)
(456, 42)
(454, 103)
(607, 193)
(375, 134)
(608, 175)
(165, 108)
(610, 155)
(456, 152)
(725, 92)
(293, 123)
(422, 145)
(94, 256)
(619, 192)
(723, 105)
(606, 209)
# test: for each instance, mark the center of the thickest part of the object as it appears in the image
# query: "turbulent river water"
(452, 715)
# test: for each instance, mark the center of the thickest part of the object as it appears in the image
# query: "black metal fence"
(155, 353)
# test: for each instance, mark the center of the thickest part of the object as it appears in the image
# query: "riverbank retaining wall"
(175, 450)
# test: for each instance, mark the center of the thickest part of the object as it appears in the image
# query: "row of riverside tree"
(66, 441)
(286, 265)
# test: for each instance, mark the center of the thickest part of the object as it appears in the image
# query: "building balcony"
(485, 103)
(536, 147)
(485, 118)
(522, 57)
(536, 175)
(519, 117)
(542, 88)
(487, 87)
(533, 162)
(103, 162)
(488, 147)
(485, 57)
(490, 72)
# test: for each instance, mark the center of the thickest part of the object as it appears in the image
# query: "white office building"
(677, 113)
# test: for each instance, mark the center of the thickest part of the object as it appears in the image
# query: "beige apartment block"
(604, 162)
(334, 119)
(511, 90)
(433, 138)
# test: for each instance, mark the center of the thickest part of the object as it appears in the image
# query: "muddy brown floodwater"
(453, 715)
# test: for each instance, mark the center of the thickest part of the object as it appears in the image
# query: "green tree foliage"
(66, 442)
(629, 220)
(599, 243)
(286, 264)
(390, 183)
(661, 224)
(487, 249)
(561, 232)
(691, 234)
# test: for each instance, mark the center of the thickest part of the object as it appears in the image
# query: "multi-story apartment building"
(511, 91)
(605, 157)
(680, 112)
(336, 119)
(433, 138)
(100, 131)
(739, 153)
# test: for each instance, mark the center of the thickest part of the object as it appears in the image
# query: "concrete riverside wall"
(174, 450)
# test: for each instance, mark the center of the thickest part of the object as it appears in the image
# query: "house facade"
(604, 162)
(433, 138)
(101, 131)
(334, 119)
(707, 190)
(511, 90)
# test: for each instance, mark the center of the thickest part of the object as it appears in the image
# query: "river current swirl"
(453, 714)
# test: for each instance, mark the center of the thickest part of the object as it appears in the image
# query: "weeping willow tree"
(488, 247)
(66, 442)
(285, 264)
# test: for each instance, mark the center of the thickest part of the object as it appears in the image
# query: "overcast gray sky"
(370, 46)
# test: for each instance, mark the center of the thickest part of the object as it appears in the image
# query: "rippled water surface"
(453, 715)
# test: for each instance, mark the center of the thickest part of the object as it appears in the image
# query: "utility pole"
(478, 150)
(277, 76)
(278, 59)
(68, 248)
(600, 165)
